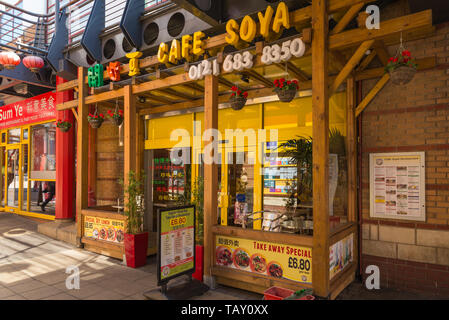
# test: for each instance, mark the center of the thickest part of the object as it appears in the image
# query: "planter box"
(136, 246)
(199, 254)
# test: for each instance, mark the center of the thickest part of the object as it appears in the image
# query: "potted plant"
(95, 120)
(116, 116)
(64, 126)
(136, 240)
(401, 68)
(286, 89)
(238, 98)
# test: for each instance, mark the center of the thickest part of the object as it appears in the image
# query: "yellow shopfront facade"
(28, 157)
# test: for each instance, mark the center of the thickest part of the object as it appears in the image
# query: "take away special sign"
(105, 229)
(397, 185)
(36, 109)
(266, 258)
(176, 237)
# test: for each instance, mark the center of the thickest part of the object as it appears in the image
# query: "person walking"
(50, 191)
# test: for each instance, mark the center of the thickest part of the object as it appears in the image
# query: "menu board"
(265, 258)
(341, 254)
(397, 185)
(176, 228)
(105, 229)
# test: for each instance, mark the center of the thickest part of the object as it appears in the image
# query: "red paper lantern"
(9, 59)
(34, 63)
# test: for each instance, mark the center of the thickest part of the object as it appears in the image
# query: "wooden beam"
(320, 116)
(259, 78)
(347, 18)
(366, 61)
(294, 71)
(350, 65)
(373, 92)
(210, 174)
(387, 28)
(75, 113)
(81, 154)
(351, 143)
(130, 139)
(382, 52)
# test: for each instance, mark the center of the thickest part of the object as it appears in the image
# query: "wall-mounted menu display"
(397, 185)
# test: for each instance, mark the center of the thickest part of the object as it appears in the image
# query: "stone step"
(63, 231)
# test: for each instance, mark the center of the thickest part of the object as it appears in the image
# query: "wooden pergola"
(332, 58)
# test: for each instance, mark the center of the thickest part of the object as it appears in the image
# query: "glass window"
(25, 134)
(43, 152)
(43, 197)
(14, 135)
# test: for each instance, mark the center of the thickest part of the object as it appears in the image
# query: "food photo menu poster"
(105, 229)
(397, 185)
(176, 242)
(265, 258)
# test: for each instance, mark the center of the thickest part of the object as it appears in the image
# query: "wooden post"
(210, 177)
(351, 150)
(81, 153)
(130, 132)
(320, 107)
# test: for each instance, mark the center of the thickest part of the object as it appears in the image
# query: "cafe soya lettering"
(270, 25)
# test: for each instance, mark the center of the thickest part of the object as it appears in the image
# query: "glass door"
(12, 183)
(2, 176)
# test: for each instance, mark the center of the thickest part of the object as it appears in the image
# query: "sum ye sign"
(271, 24)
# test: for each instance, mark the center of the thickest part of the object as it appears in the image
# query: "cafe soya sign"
(190, 48)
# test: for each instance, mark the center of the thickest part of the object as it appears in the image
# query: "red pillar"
(65, 159)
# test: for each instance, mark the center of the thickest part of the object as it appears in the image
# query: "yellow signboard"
(266, 258)
(104, 229)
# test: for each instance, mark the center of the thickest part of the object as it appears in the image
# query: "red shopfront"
(28, 157)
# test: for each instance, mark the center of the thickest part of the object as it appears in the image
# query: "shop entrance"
(28, 170)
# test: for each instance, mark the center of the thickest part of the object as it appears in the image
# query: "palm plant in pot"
(136, 240)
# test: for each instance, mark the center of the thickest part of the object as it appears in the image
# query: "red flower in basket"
(404, 59)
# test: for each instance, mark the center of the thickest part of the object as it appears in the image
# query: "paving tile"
(41, 293)
(61, 296)
(53, 277)
(5, 292)
(106, 295)
(135, 297)
(83, 292)
(14, 297)
(26, 285)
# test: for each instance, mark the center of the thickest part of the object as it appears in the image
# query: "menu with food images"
(176, 242)
(397, 185)
(105, 229)
(270, 259)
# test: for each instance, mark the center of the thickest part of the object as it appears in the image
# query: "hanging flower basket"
(401, 68)
(95, 120)
(64, 126)
(286, 90)
(238, 98)
(116, 116)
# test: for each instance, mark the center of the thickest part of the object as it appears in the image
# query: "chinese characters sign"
(265, 258)
(104, 229)
(36, 109)
(176, 242)
(397, 185)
